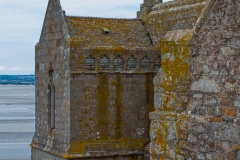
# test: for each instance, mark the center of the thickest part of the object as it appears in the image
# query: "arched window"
(118, 63)
(145, 64)
(157, 64)
(52, 100)
(131, 63)
(90, 63)
(104, 63)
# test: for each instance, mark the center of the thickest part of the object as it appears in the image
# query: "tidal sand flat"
(17, 121)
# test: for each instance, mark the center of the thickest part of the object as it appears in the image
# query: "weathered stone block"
(206, 85)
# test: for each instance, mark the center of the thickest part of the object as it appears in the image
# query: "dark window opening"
(51, 97)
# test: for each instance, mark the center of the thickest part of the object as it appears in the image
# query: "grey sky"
(21, 23)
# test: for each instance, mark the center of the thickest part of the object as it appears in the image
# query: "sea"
(17, 121)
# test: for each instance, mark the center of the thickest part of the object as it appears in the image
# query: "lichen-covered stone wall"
(207, 127)
(111, 88)
(109, 113)
(170, 95)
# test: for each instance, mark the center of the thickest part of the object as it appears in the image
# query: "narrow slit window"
(52, 108)
(52, 100)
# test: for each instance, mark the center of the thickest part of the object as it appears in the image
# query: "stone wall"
(215, 82)
(109, 113)
(111, 90)
(207, 126)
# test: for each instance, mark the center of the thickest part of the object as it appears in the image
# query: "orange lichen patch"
(122, 32)
(37, 47)
(103, 103)
(161, 138)
(32, 144)
(236, 147)
(175, 66)
(230, 112)
(118, 104)
(76, 147)
(214, 119)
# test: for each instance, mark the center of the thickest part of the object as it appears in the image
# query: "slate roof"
(107, 32)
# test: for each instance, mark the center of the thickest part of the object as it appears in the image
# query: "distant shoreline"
(17, 79)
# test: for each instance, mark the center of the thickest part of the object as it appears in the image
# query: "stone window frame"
(104, 68)
(133, 58)
(141, 65)
(118, 57)
(94, 66)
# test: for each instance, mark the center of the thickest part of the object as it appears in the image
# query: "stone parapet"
(173, 15)
(146, 8)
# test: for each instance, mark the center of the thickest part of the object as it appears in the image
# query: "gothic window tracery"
(90, 63)
(157, 64)
(131, 63)
(145, 64)
(118, 63)
(104, 63)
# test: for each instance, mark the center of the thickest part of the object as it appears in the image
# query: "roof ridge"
(109, 18)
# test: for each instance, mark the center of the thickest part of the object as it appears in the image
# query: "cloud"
(2, 68)
(16, 69)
